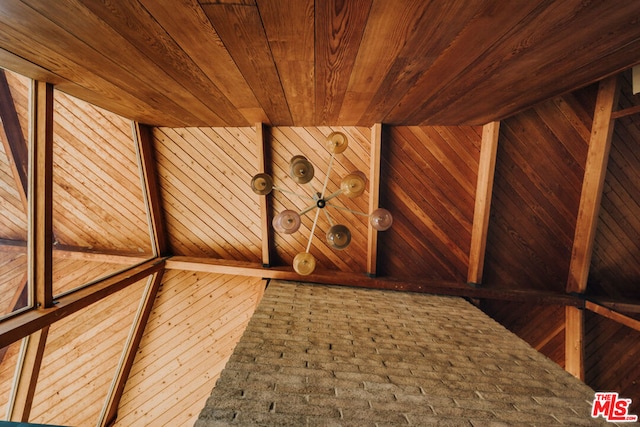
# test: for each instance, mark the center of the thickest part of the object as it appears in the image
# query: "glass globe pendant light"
(302, 172)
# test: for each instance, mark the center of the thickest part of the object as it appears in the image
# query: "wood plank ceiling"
(305, 63)
(200, 79)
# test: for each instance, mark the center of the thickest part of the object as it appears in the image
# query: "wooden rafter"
(250, 269)
(153, 199)
(587, 221)
(13, 139)
(19, 326)
(109, 412)
(40, 193)
(484, 189)
(613, 315)
(574, 342)
(262, 146)
(25, 382)
(593, 182)
(374, 197)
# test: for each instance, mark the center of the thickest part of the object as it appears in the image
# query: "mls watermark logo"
(612, 408)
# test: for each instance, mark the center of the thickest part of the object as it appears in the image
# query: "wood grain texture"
(204, 179)
(407, 62)
(538, 180)
(611, 353)
(13, 215)
(592, 185)
(240, 29)
(615, 265)
(311, 143)
(97, 187)
(80, 360)
(428, 184)
(199, 317)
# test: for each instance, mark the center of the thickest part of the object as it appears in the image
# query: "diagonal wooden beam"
(262, 145)
(484, 189)
(110, 411)
(151, 188)
(613, 315)
(40, 193)
(26, 379)
(374, 197)
(22, 324)
(592, 184)
(13, 139)
(587, 221)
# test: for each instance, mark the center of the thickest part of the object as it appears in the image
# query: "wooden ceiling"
(307, 63)
(202, 82)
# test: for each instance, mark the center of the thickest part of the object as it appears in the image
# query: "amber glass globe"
(262, 184)
(339, 236)
(337, 142)
(301, 169)
(304, 263)
(353, 184)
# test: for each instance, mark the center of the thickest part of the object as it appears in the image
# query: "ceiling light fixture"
(351, 186)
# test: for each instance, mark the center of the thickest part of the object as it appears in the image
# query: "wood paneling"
(305, 63)
(196, 321)
(13, 277)
(428, 184)
(8, 362)
(541, 326)
(615, 266)
(611, 357)
(97, 192)
(205, 174)
(13, 215)
(537, 185)
(80, 357)
(311, 143)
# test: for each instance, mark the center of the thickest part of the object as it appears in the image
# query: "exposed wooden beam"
(613, 315)
(153, 198)
(22, 324)
(80, 253)
(484, 189)
(374, 197)
(13, 139)
(26, 379)
(574, 342)
(110, 410)
(625, 112)
(625, 306)
(250, 269)
(593, 182)
(262, 147)
(40, 193)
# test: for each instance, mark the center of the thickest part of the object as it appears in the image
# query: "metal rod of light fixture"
(342, 208)
(284, 190)
(313, 229)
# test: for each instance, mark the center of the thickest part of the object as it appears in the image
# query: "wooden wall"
(538, 180)
(80, 359)
(97, 196)
(615, 266)
(428, 182)
(287, 142)
(196, 321)
(13, 215)
(209, 207)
